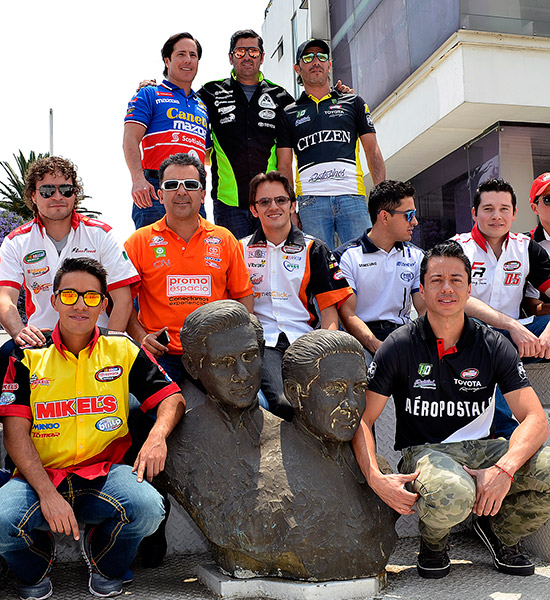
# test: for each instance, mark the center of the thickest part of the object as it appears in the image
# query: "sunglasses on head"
(48, 190)
(190, 185)
(70, 297)
(322, 56)
(279, 201)
(409, 214)
(241, 51)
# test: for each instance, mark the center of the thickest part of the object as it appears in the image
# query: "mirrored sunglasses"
(322, 56)
(241, 51)
(190, 185)
(70, 297)
(279, 201)
(48, 190)
(409, 214)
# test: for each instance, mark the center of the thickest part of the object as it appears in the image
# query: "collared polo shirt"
(500, 282)
(383, 281)
(324, 135)
(78, 405)
(177, 277)
(173, 121)
(288, 279)
(443, 397)
(29, 257)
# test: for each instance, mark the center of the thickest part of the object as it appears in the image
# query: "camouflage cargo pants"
(447, 493)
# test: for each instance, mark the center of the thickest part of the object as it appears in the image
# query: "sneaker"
(100, 586)
(38, 591)
(432, 564)
(507, 559)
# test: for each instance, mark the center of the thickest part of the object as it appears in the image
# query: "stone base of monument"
(286, 589)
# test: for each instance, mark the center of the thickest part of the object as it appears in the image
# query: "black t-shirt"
(449, 399)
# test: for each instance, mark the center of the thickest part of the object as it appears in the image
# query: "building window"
(445, 191)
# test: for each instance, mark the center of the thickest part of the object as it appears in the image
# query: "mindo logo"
(34, 256)
(109, 373)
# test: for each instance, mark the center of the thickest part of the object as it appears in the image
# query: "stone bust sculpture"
(276, 498)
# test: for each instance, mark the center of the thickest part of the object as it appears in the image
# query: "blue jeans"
(147, 216)
(504, 422)
(323, 216)
(240, 221)
(122, 510)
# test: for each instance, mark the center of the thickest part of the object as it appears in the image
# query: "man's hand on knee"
(492, 485)
(59, 514)
(391, 489)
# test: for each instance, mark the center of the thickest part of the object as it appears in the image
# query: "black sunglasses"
(48, 190)
(545, 200)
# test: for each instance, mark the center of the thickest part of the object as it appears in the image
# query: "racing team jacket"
(243, 134)
(289, 279)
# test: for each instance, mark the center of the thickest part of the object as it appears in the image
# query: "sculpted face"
(336, 399)
(231, 368)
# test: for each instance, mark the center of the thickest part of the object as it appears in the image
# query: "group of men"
(245, 125)
(65, 396)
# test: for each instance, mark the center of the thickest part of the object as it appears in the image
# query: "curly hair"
(56, 165)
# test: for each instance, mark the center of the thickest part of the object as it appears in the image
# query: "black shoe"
(153, 548)
(507, 559)
(432, 564)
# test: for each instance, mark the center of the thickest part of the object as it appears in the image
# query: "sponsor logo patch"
(212, 239)
(511, 265)
(160, 251)
(34, 256)
(109, 373)
(407, 276)
(425, 384)
(257, 254)
(292, 249)
(158, 240)
(425, 369)
(213, 251)
(265, 101)
(290, 266)
(7, 398)
(267, 114)
(35, 381)
(109, 424)
(38, 272)
(469, 373)
(188, 285)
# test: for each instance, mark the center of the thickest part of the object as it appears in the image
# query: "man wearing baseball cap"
(323, 128)
(539, 197)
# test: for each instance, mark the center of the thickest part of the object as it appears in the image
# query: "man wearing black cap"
(323, 128)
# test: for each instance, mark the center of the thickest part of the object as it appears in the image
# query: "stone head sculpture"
(223, 347)
(325, 382)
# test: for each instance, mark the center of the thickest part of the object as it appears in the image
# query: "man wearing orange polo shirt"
(184, 262)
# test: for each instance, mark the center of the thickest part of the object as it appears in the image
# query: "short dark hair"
(168, 47)
(446, 249)
(184, 160)
(55, 165)
(245, 33)
(494, 185)
(82, 265)
(387, 195)
(270, 177)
